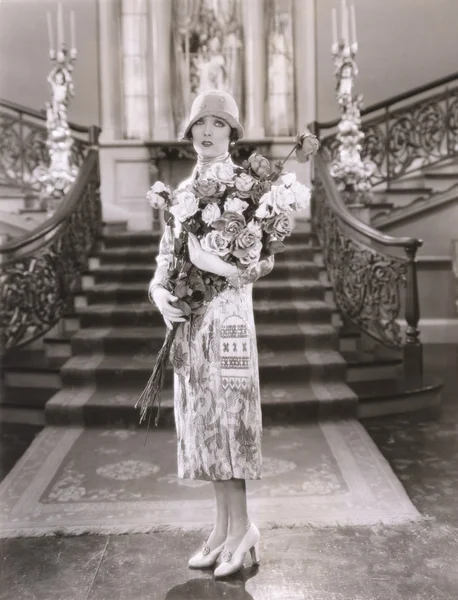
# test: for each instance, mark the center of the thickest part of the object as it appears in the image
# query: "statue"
(351, 172)
(55, 180)
(211, 67)
(63, 90)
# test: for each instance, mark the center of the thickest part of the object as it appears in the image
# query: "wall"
(402, 44)
(395, 53)
(437, 229)
(24, 62)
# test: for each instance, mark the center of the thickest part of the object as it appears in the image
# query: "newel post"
(413, 350)
(94, 133)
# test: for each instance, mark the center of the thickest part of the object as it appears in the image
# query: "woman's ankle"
(239, 528)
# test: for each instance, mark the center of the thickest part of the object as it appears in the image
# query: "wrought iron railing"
(23, 147)
(38, 273)
(374, 276)
(404, 133)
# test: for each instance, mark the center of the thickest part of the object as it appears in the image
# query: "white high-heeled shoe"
(232, 562)
(205, 557)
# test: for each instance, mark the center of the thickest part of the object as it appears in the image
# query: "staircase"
(91, 369)
(411, 195)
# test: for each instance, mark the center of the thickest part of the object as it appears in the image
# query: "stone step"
(135, 239)
(26, 397)
(282, 403)
(122, 293)
(401, 197)
(32, 368)
(147, 254)
(130, 340)
(286, 366)
(140, 273)
(146, 315)
(396, 395)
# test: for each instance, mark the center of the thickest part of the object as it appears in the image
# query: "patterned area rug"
(74, 480)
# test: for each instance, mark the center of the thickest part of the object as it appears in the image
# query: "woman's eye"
(199, 122)
(219, 123)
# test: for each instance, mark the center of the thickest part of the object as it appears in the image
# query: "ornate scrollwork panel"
(407, 138)
(367, 284)
(36, 288)
(23, 147)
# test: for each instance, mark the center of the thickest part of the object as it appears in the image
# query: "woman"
(217, 403)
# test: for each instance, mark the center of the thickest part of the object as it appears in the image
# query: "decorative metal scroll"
(408, 138)
(367, 284)
(36, 288)
(23, 148)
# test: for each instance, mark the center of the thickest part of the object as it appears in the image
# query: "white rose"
(187, 206)
(223, 172)
(235, 205)
(255, 229)
(282, 199)
(288, 179)
(155, 195)
(216, 243)
(264, 209)
(301, 195)
(244, 183)
(210, 213)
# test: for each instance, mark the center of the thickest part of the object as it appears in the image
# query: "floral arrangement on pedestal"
(240, 213)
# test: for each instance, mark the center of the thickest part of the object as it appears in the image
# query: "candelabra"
(351, 172)
(55, 179)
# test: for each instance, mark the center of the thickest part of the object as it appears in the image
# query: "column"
(255, 67)
(160, 69)
(109, 60)
(305, 64)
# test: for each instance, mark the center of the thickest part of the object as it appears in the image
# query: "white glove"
(163, 299)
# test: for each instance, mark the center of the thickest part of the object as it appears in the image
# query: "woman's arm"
(163, 260)
(252, 273)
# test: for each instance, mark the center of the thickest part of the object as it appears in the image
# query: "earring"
(232, 144)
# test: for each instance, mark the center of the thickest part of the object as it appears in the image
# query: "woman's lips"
(207, 144)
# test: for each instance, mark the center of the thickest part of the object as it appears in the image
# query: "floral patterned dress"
(217, 403)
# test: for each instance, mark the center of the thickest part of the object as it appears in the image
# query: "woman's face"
(210, 136)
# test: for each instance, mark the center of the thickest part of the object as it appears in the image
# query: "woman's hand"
(164, 301)
(206, 261)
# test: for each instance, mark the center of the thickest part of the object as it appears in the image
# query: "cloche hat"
(217, 103)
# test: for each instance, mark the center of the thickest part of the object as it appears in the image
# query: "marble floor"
(411, 562)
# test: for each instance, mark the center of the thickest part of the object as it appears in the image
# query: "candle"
(72, 30)
(60, 26)
(353, 23)
(334, 26)
(50, 31)
(343, 21)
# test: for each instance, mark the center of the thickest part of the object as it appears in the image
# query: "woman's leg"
(219, 533)
(239, 522)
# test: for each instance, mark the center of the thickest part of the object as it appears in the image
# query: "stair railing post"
(413, 349)
(447, 121)
(21, 141)
(94, 133)
(387, 146)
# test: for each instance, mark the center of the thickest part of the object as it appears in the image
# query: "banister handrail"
(384, 104)
(355, 224)
(38, 114)
(43, 270)
(366, 276)
(64, 209)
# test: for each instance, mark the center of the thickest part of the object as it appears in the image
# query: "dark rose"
(230, 224)
(259, 165)
(208, 188)
(248, 245)
(280, 225)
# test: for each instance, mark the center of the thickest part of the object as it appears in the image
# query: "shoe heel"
(255, 555)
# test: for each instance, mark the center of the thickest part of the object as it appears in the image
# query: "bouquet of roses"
(241, 214)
